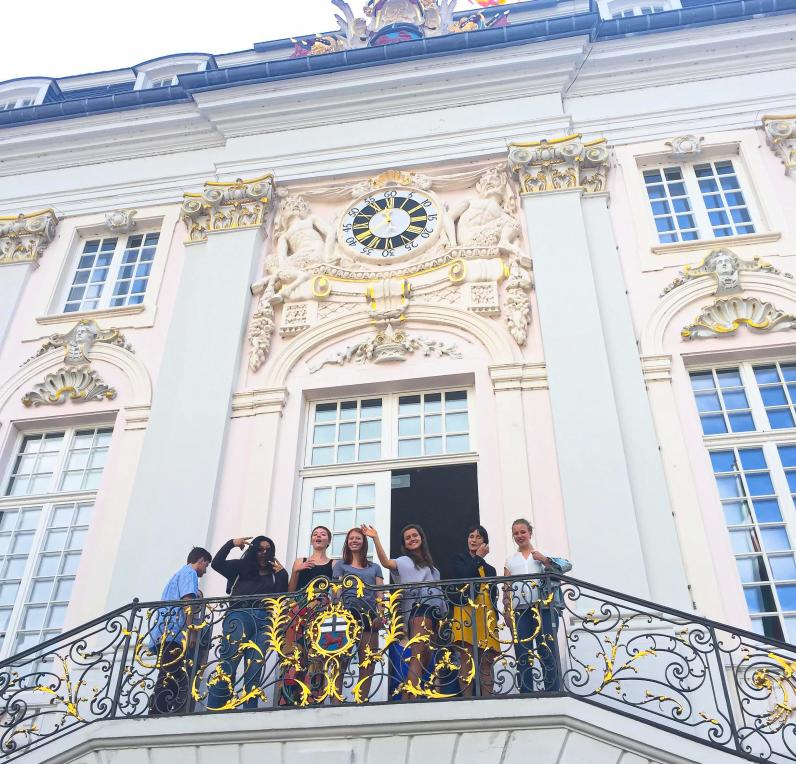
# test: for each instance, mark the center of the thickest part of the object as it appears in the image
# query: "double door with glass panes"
(382, 434)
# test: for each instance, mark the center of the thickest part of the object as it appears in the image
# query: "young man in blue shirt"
(170, 638)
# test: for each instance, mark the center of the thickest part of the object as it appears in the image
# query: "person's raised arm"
(229, 568)
(384, 558)
(298, 566)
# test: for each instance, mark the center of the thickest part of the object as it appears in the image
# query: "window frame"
(768, 439)
(77, 250)
(48, 503)
(389, 433)
(696, 200)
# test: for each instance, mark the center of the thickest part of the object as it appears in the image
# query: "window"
(756, 480)
(761, 543)
(42, 531)
(164, 82)
(430, 424)
(393, 426)
(16, 103)
(111, 272)
(699, 201)
(343, 507)
(639, 10)
(346, 431)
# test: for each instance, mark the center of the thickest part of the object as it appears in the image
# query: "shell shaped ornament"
(391, 224)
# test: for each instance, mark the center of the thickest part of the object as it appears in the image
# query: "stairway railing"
(341, 642)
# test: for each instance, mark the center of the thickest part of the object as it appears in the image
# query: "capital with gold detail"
(781, 137)
(227, 207)
(560, 164)
(24, 237)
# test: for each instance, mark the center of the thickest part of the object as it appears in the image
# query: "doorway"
(444, 501)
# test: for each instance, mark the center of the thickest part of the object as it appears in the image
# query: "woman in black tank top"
(305, 570)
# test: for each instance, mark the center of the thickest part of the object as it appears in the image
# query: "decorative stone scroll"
(781, 137)
(120, 221)
(724, 316)
(24, 237)
(75, 380)
(726, 267)
(227, 207)
(560, 164)
(388, 344)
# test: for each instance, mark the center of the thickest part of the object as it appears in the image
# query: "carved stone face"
(491, 183)
(83, 334)
(725, 267)
(295, 206)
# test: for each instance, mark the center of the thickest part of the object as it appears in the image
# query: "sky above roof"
(90, 36)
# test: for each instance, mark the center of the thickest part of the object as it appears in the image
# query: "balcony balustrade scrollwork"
(340, 642)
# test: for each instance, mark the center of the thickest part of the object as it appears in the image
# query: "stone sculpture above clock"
(396, 243)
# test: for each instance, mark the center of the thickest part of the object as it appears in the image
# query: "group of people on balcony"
(459, 619)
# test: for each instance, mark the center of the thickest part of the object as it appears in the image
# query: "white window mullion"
(753, 396)
(697, 204)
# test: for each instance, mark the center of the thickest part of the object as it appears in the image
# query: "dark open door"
(444, 501)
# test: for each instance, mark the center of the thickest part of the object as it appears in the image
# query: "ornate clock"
(390, 224)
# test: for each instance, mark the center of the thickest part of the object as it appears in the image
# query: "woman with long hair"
(423, 606)
(305, 570)
(476, 626)
(257, 574)
(355, 562)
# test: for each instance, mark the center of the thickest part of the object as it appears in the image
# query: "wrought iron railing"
(343, 643)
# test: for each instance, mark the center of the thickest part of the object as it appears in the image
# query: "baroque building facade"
(538, 265)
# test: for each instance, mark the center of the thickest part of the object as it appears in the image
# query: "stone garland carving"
(685, 146)
(75, 380)
(24, 237)
(518, 300)
(781, 137)
(724, 316)
(480, 248)
(388, 345)
(726, 267)
(560, 164)
(120, 221)
(227, 206)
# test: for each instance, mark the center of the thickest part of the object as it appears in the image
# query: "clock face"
(390, 224)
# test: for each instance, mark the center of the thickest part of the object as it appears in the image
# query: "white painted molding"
(755, 283)
(518, 376)
(489, 334)
(127, 362)
(259, 401)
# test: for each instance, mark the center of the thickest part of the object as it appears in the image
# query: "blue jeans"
(240, 626)
(546, 648)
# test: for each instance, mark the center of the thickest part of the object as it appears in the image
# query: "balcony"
(486, 660)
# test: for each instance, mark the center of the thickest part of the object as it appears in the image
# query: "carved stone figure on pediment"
(726, 267)
(303, 240)
(78, 341)
(487, 221)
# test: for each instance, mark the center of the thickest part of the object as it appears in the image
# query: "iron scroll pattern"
(340, 642)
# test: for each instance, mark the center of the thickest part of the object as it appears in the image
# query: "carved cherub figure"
(304, 240)
(486, 221)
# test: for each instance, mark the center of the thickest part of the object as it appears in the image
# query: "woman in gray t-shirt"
(422, 605)
(364, 609)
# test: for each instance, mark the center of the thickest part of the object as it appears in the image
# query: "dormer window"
(164, 72)
(17, 94)
(622, 9)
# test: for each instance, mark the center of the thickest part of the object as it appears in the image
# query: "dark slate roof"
(109, 98)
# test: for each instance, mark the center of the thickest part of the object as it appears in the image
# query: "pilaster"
(176, 481)
(23, 239)
(597, 491)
